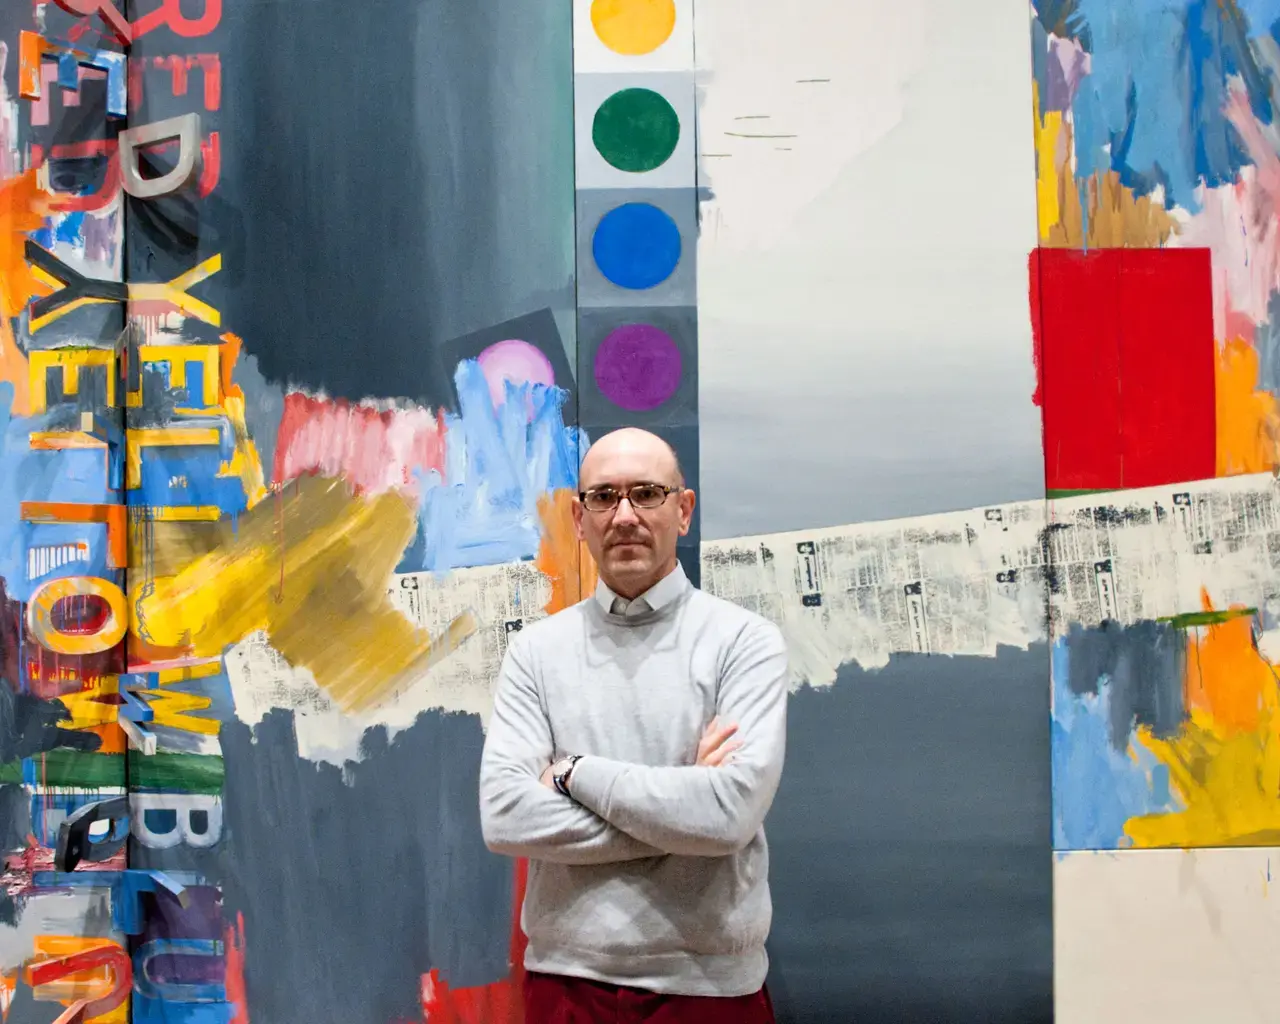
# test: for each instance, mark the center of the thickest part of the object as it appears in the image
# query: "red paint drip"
(233, 938)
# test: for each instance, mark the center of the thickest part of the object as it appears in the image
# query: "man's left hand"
(546, 778)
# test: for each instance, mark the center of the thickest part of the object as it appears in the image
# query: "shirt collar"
(655, 598)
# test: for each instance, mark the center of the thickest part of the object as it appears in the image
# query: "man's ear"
(688, 499)
(577, 517)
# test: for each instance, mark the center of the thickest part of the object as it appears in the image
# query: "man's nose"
(625, 512)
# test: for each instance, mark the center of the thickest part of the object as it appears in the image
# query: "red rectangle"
(1079, 303)
(1167, 364)
(1125, 354)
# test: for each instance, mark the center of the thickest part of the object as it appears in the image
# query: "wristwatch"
(560, 772)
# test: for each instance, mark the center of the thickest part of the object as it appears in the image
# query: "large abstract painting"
(962, 328)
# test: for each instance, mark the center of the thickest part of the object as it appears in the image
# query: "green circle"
(636, 130)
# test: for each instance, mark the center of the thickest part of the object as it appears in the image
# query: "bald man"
(635, 747)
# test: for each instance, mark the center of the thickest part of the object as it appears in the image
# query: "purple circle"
(638, 367)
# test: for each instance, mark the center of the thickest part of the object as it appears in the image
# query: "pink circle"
(516, 361)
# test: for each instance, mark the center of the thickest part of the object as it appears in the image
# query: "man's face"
(633, 546)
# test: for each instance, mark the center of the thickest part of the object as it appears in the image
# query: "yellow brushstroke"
(1225, 762)
(311, 567)
(1049, 143)
(170, 708)
(85, 707)
(1248, 419)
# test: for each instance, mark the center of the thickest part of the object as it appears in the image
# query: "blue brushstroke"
(1151, 109)
(183, 1000)
(186, 476)
(498, 463)
(1262, 15)
(114, 64)
(128, 910)
(75, 475)
(194, 398)
(1096, 788)
(61, 228)
(1040, 60)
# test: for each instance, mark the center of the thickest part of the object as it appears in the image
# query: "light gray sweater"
(655, 874)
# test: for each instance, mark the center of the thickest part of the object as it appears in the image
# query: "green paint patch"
(70, 769)
(636, 130)
(1213, 618)
(75, 769)
(181, 773)
(1058, 495)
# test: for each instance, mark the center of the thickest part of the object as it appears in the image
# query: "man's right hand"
(717, 745)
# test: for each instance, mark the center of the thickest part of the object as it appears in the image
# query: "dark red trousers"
(553, 999)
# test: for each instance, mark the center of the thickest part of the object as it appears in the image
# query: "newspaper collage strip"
(965, 583)
(962, 583)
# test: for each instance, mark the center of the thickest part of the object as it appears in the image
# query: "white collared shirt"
(656, 597)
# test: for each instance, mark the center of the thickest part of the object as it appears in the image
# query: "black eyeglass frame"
(666, 493)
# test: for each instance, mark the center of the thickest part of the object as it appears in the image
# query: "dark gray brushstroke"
(263, 407)
(352, 890)
(15, 816)
(409, 186)
(1268, 340)
(1145, 664)
(25, 1010)
(909, 846)
(14, 826)
(29, 726)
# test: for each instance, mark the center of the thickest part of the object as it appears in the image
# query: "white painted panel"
(1167, 937)
(864, 326)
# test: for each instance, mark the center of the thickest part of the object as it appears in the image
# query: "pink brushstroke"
(375, 450)
(1240, 224)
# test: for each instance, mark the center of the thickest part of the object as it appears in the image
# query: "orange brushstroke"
(231, 345)
(562, 558)
(1248, 418)
(113, 738)
(1227, 679)
(22, 208)
(234, 944)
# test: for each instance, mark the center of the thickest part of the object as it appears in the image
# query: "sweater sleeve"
(519, 816)
(707, 812)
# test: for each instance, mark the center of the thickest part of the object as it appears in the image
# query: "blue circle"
(636, 246)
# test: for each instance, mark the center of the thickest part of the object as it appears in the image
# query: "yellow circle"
(633, 27)
(46, 633)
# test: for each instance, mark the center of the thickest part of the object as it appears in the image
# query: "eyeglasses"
(604, 499)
